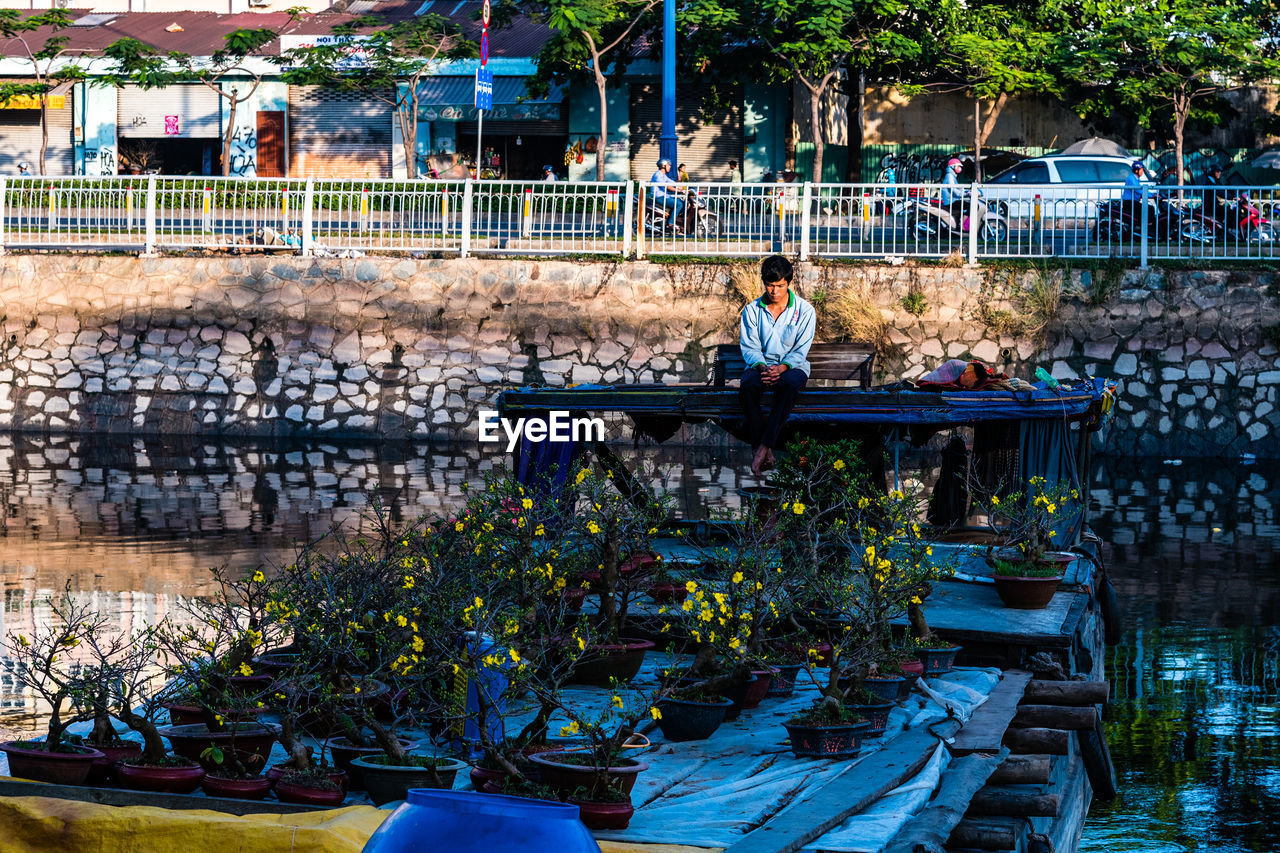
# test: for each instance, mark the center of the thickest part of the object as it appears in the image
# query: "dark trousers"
(759, 429)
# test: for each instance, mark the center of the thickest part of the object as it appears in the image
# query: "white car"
(1067, 186)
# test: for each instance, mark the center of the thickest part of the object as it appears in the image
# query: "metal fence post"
(806, 198)
(1143, 252)
(640, 214)
(4, 211)
(150, 213)
(974, 224)
(308, 218)
(467, 202)
(626, 219)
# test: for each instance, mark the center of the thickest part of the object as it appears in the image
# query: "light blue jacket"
(782, 341)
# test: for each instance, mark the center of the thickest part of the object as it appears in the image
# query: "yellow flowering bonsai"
(1028, 524)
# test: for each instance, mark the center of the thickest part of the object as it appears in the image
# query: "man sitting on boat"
(776, 332)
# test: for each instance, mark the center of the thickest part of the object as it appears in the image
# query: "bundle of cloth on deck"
(711, 793)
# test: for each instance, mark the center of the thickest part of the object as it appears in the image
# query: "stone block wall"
(395, 348)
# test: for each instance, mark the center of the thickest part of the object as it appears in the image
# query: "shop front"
(517, 138)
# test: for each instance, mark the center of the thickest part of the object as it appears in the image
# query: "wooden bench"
(833, 362)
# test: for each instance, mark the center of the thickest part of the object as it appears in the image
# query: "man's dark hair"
(733, 164)
(776, 268)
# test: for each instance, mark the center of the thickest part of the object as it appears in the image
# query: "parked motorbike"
(1167, 221)
(931, 216)
(1243, 220)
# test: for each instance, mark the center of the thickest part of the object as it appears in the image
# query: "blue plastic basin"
(466, 822)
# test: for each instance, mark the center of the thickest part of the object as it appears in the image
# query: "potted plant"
(139, 705)
(611, 531)
(666, 583)
(599, 772)
(691, 714)
(240, 779)
(208, 655)
(1027, 525)
(936, 655)
(870, 707)
(48, 666)
(826, 730)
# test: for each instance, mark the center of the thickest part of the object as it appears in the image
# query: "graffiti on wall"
(244, 151)
(100, 161)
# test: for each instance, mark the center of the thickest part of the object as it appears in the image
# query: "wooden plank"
(847, 794)
(1026, 741)
(929, 830)
(1057, 717)
(985, 730)
(1066, 692)
(124, 797)
(1023, 770)
(1014, 801)
(972, 612)
(989, 833)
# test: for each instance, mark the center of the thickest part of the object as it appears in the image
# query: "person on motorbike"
(666, 192)
(1131, 195)
(1213, 199)
(952, 197)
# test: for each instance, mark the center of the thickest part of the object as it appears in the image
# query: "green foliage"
(809, 41)
(914, 303)
(1007, 569)
(384, 59)
(1029, 523)
(1166, 58)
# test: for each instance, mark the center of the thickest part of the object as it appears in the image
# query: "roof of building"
(203, 33)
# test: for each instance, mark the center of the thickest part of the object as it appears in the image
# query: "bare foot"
(758, 461)
(769, 460)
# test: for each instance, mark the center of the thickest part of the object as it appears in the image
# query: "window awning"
(56, 97)
(453, 99)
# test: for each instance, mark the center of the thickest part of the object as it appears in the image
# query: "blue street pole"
(667, 141)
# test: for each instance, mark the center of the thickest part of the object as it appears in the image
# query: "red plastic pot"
(191, 715)
(276, 772)
(292, 792)
(567, 777)
(190, 741)
(104, 768)
(603, 815)
(344, 752)
(237, 789)
(163, 779)
(664, 592)
(69, 767)
(1026, 593)
(758, 689)
(604, 662)
(573, 596)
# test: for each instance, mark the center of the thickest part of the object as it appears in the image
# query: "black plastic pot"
(840, 741)
(784, 680)
(885, 688)
(683, 719)
(937, 661)
(877, 716)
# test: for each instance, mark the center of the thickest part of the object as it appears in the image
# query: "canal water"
(1192, 547)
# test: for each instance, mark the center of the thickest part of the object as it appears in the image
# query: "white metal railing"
(331, 217)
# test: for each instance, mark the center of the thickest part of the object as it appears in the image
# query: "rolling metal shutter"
(705, 147)
(335, 134)
(186, 111)
(20, 140)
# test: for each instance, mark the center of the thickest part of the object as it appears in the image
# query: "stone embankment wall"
(387, 347)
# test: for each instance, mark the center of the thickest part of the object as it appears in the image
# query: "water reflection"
(1195, 716)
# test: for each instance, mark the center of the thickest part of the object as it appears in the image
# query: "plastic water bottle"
(1045, 377)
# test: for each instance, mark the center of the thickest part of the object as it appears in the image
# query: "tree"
(997, 50)
(586, 32)
(1167, 56)
(22, 32)
(141, 65)
(387, 63)
(810, 41)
